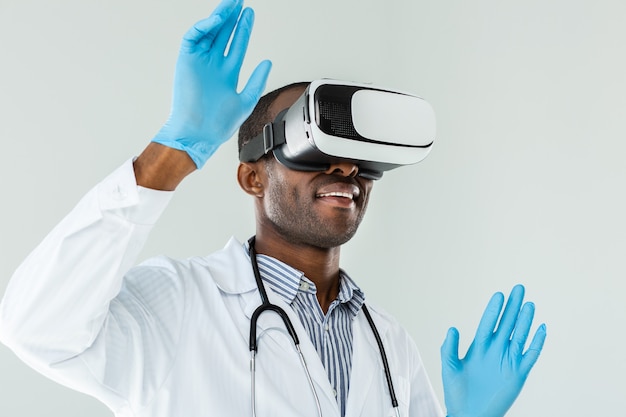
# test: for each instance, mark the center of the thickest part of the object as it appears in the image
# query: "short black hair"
(260, 116)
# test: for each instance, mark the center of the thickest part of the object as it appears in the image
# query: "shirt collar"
(286, 281)
(350, 293)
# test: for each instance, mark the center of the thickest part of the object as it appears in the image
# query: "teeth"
(336, 194)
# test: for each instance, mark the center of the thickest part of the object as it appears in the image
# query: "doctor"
(170, 337)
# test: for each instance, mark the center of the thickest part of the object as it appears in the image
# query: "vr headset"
(377, 129)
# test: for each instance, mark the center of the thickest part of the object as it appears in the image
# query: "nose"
(346, 169)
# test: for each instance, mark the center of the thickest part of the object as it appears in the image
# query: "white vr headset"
(377, 129)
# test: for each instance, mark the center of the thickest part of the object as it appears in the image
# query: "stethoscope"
(267, 306)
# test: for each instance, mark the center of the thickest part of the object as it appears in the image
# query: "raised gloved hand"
(486, 382)
(206, 107)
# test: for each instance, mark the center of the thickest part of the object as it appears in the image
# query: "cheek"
(368, 194)
(279, 197)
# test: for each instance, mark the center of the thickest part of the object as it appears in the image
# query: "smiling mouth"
(336, 194)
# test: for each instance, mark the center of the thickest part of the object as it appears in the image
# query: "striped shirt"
(331, 333)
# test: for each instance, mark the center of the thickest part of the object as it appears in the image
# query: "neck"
(320, 265)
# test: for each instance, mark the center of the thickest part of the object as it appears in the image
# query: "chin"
(329, 242)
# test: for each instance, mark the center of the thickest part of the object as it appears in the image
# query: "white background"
(525, 183)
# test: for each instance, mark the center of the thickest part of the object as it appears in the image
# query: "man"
(170, 337)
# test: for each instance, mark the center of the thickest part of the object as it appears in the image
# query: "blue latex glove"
(486, 382)
(206, 108)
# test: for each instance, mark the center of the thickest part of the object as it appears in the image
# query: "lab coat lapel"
(366, 365)
(233, 274)
(231, 271)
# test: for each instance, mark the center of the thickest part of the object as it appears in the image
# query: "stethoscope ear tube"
(383, 355)
(267, 306)
(283, 315)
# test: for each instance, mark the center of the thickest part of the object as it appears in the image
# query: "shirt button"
(335, 392)
(304, 286)
(326, 327)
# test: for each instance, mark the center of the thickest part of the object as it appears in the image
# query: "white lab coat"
(169, 338)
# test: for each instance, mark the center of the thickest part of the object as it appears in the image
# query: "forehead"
(285, 100)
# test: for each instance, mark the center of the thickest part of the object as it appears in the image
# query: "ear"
(251, 178)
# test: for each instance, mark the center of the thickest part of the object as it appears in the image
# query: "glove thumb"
(450, 351)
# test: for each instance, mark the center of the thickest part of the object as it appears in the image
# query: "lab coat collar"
(231, 270)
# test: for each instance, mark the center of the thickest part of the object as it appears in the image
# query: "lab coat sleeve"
(57, 308)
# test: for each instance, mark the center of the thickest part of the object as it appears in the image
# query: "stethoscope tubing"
(383, 356)
(267, 306)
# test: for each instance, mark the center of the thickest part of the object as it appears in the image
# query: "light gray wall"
(525, 184)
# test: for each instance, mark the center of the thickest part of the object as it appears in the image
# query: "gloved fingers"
(226, 31)
(488, 320)
(239, 43)
(450, 350)
(255, 86)
(509, 317)
(522, 329)
(534, 350)
(205, 31)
